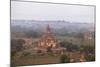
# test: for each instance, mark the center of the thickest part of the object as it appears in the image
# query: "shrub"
(64, 59)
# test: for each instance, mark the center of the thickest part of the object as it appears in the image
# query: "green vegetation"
(69, 46)
(64, 59)
(90, 57)
(17, 44)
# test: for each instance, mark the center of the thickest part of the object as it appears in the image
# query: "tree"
(13, 52)
(17, 43)
(89, 49)
(70, 46)
(90, 58)
(31, 33)
(64, 59)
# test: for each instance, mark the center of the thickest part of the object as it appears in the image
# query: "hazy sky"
(45, 11)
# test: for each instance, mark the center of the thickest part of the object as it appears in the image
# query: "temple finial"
(48, 28)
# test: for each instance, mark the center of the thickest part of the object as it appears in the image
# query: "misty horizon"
(50, 21)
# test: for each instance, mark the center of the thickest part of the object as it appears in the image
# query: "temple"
(48, 42)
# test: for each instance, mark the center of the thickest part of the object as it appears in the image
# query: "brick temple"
(49, 42)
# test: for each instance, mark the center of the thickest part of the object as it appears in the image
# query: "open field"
(37, 60)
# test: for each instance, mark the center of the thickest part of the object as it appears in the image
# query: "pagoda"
(48, 41)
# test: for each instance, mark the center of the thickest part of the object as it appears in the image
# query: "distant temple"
(49, 42)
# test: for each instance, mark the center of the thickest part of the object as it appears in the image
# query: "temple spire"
(48, 30)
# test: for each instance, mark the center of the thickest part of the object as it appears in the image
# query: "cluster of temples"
(48, 42)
